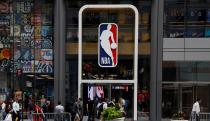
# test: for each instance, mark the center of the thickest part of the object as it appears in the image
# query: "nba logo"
(107, 45)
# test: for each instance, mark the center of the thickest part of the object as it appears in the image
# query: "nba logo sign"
(107, 45)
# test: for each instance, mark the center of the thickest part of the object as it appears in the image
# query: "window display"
(190, 18)
(32, 32)
(26, 43)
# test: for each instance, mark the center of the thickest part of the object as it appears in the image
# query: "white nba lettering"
(105, 60)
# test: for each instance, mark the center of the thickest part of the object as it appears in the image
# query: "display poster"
(95, 91)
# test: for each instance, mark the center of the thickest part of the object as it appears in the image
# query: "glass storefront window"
(186, 19)
(186, 71)
(26, 48)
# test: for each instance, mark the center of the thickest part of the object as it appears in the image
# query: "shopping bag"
(85, 118)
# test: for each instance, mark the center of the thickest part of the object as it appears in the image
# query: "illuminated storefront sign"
(107, 45)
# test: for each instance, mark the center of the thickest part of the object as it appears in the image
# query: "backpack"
(100, 110)
(111, 104)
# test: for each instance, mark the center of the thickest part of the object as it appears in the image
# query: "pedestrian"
(96, 101)
(38, 115)
(48, 105)
(80, 107)
(2, 110)
(101, 106)
(3, 105)
(44, 107)
(112, 102)
(59, 110)
(16, 110)
(8, 112)
(90, 109)
(30, 107)
(121, 106)
(77, 109)
(196, 110)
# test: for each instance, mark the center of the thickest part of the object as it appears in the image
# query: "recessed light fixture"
(50, 77)
(39, 78)
(30, 75)
(44, 75)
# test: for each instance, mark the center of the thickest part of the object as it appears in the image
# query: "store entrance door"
(96, 93)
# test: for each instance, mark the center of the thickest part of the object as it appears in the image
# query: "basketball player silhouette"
(105, 44)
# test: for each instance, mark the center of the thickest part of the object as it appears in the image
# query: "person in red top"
(141, 101)
(40, 115)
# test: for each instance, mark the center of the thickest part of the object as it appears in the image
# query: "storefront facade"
(185, 70)
(173, 55)
(39, 53)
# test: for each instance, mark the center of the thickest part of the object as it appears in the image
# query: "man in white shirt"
(16, 109)
(59, 108)
(105, 103)
(196, 109)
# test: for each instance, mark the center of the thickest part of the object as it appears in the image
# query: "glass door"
(187, 93)
(203, 92)
(180, 98)
(96, 93)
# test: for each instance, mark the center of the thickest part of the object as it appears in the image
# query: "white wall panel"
(197, 56)
(173, 42)
(197, 43)
(169, 56)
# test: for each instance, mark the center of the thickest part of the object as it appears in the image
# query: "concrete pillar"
(156, 59)
(59, 52)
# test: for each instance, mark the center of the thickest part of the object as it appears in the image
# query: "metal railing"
(51, 116)
(1, 116)
(42, 116)
(204, 116)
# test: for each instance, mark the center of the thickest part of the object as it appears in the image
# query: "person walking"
(90, 109)
(59, 109)
(8, 115)
(3, 105)
(121, 106)
(196, 110)
(38, 113)
(81, 107)
(2, 110)
(102, 106)
(77, 109)
(16, 110)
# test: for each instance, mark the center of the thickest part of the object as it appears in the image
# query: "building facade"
(39, 53)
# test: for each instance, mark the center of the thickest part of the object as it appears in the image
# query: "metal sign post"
(134, 81)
